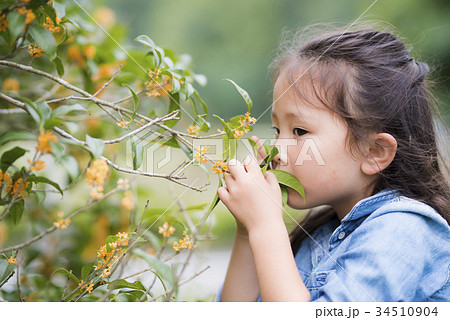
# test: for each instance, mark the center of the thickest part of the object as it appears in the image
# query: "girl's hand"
(254, 200)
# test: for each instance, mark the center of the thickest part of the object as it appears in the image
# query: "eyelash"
(296, 131)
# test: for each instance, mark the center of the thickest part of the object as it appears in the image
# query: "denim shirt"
(387, 248)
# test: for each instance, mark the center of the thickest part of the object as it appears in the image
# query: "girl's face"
(312, 146)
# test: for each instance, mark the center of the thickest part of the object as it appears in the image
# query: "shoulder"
(406, 216)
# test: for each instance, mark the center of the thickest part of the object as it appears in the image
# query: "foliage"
(67, 89)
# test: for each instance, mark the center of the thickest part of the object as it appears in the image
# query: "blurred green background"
(237, 39)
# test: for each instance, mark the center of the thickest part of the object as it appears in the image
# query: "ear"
(380, 153)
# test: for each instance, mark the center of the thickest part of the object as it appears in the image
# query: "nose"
(281, 158)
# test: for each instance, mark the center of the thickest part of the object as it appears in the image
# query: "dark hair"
(368, 78)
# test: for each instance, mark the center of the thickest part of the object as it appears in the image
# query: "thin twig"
(53, 228)
(106, 84)
(181, 283)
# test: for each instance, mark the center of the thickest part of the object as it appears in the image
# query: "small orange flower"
(127, 201)
(38, 165)
(193, 130)
(50, 26)
(166, 230)
(35, 51)
(3, 23)
(43, 142)
(12, 260)
(201, 154)
(183, 243)
(220, 168)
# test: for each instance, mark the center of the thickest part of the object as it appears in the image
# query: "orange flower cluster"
(44, 142)
(166, 230)
(50, 25)
(96, 175)
(12, 260)
(37, 165)
(5, 181)
(158, 85)
(61, 223)
(88, 287)
(193, 130)
(35, 51)
(3, 23)
(30, 15)
(183, 243)
(201, 154)
(245, 125)
(127, 201)
(123, 184)
(107, 258)
(122, 124)
(19, 187)
(221, 167)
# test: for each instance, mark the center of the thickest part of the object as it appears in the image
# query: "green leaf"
(204, 125)
(3, 5)
(188, 90)
(204, 106)
(96, 146)
(215, 200)
(71, 165)
(44, 39)
(229, 142)
(40, 179)
(59, 66)
(16, 23)
(120, 284)
(158, 52)
(135, 100)
(16, 136)
(34, 112)
(244, 95)
(288, 180)
(86, 270)
(53, 122)
(65, 109)
(162, 269)
(271, 152)
(137, 152)
(66, 273)
(16, 211)
(44, 110)
(5, 269)
(174, 104)
(10, 156)
(254, 145)
(284, 195)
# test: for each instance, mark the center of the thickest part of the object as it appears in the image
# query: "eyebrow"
(289, 114)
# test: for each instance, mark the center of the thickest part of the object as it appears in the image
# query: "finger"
(251, 165)
(236, 169)
(229, 181)
(223, 194)
(261, 153)
(272, 180)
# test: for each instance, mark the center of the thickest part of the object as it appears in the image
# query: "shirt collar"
(368, 205)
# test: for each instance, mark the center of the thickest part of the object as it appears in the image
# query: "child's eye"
(277, 131)
(300, 131)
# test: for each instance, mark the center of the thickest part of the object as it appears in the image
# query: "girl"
(382, 230)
